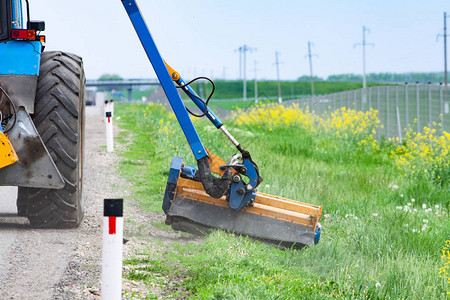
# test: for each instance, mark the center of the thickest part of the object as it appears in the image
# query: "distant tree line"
(382, 77)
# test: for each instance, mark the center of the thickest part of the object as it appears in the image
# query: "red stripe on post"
(112, 225)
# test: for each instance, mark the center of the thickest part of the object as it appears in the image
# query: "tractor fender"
(35, 167)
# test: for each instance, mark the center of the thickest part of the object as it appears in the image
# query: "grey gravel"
(66, 264)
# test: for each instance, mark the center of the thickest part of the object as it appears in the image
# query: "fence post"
(363, 96)
(417, 107)
(441, 105)
(348, 99)
(399, 129)
(387, 112)
(334, 102)
(378, 101)
(397, 112)
(430, 121)
(341, 100)
(406, 107)
(354, 99)
(319, 105)
(378, 109)
(370, 98)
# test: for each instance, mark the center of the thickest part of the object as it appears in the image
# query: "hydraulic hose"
(215, 187)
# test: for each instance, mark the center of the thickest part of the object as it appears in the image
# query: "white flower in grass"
(409, 204)
(401, 195)
(406, 225)
(375, 214)
(356, 218)
(412, 200)
(346, 216)
(399, 207)
(415, 210)
(424, 227)
(413, 230)
(377, 285)
(393, 186)
(425, 221)
(428, 210)
(327, 216)
(436, 206)
(267, 186)
(424, 206)
(406, 208)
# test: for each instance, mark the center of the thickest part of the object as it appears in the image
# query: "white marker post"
(112, 249)
(109, 131)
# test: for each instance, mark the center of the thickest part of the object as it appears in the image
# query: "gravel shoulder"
(66, 264)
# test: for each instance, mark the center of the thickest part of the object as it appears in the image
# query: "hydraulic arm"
(240, 192)
(197, 200)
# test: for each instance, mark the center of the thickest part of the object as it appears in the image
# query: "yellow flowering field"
(425, 155)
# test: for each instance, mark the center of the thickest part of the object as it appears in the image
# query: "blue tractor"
(42, 100)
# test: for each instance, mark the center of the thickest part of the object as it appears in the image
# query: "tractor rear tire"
(59, 119)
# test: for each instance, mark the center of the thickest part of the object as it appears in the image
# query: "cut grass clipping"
(384, 229)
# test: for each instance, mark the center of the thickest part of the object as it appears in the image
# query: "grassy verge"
(383, 232)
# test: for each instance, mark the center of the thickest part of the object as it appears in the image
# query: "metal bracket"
(35, 167)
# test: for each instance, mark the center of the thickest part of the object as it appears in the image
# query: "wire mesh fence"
(399, 107)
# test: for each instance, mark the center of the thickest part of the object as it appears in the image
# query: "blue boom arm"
(238, 192)
(164, 78)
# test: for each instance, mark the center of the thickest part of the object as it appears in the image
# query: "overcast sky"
(199, 37)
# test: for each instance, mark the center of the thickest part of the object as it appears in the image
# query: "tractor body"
(42, 120)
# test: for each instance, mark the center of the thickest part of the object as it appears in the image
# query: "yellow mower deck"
(265, 205)
(272, 218)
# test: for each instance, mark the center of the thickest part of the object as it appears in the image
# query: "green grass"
(368, 248)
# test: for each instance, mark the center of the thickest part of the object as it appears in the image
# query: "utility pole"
(243, 52)
(278, 77)
(309, 55)
(445, 48)
(240, 61)
(256, 85)
(364, 44)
